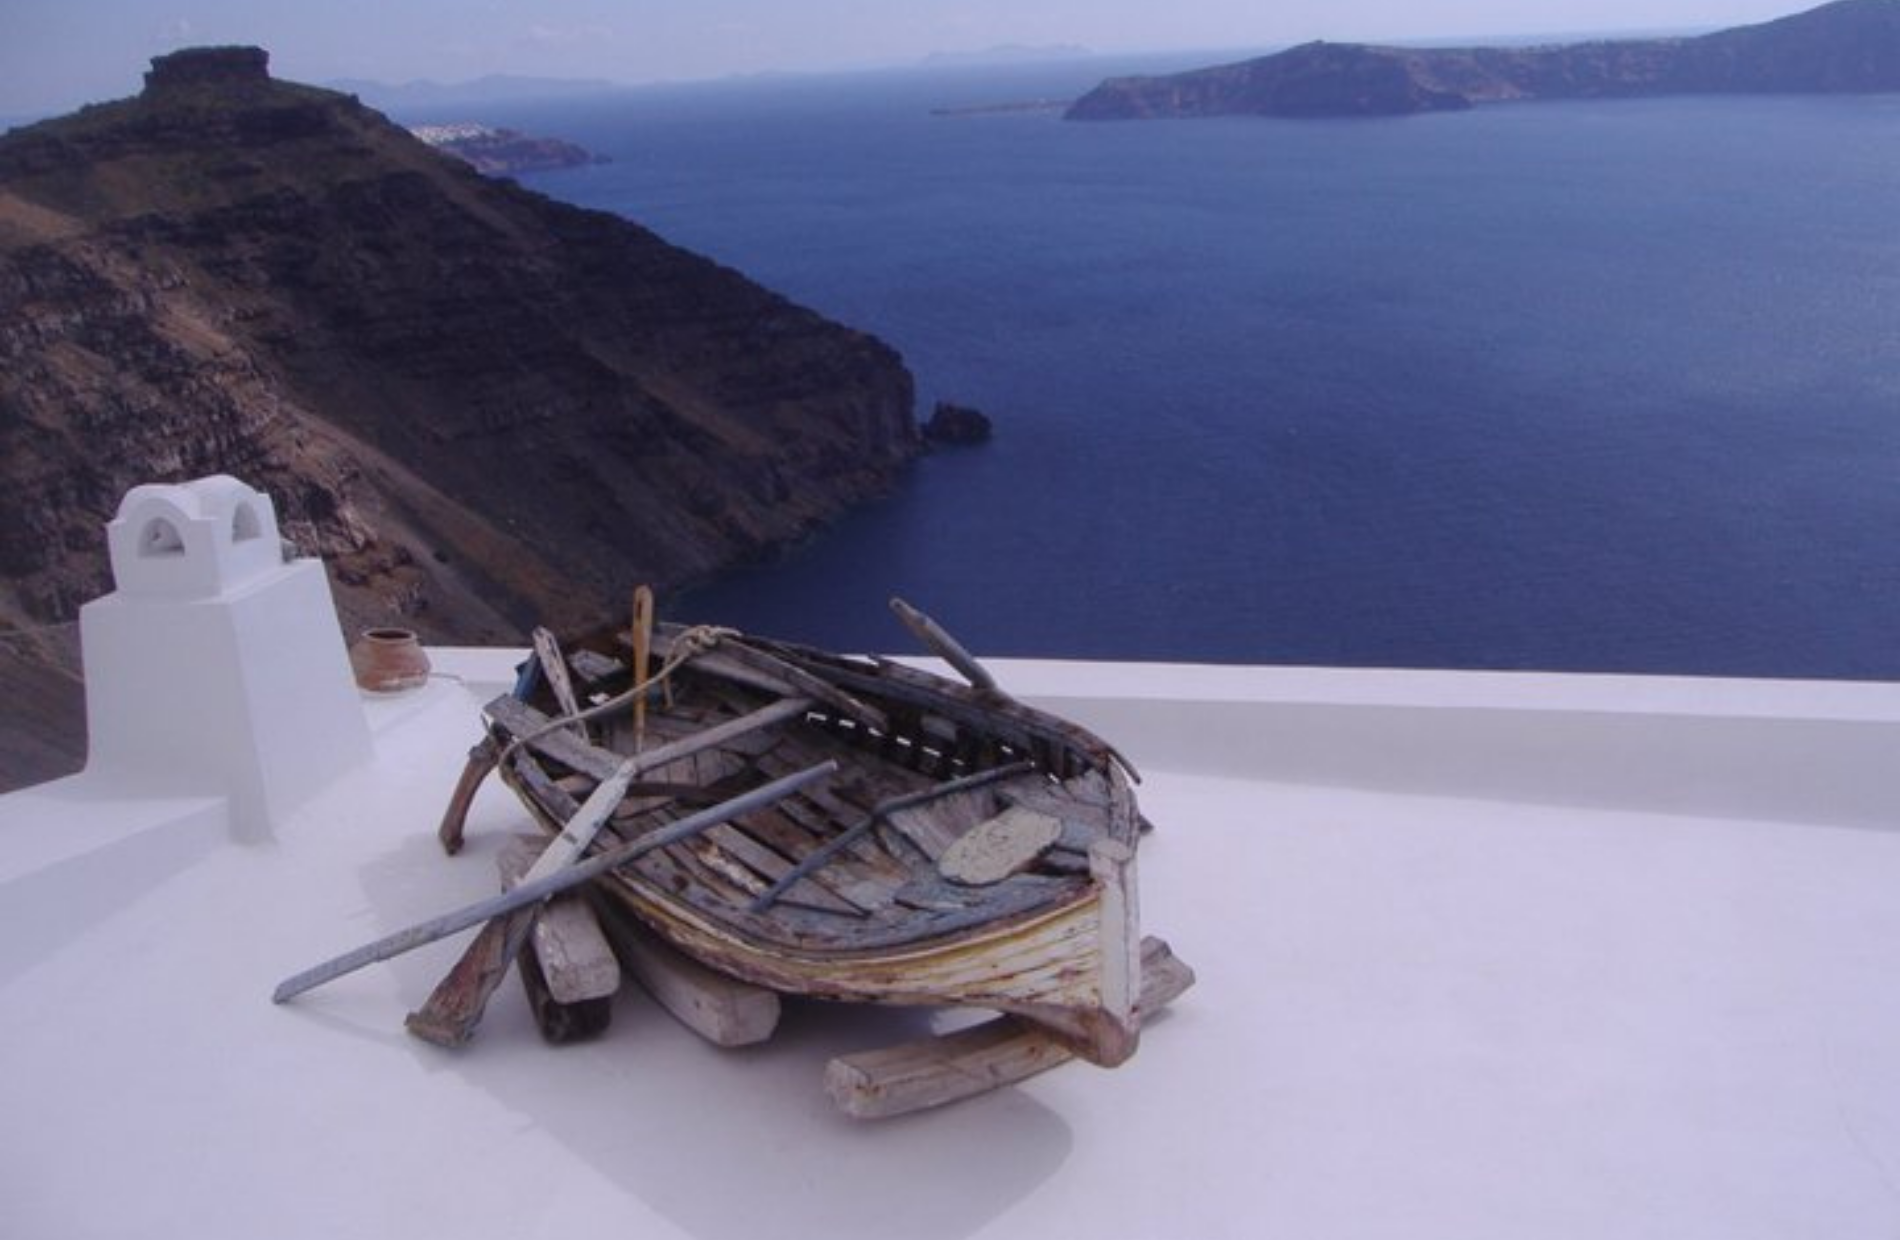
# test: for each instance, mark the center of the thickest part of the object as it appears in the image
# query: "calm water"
(1578, 386)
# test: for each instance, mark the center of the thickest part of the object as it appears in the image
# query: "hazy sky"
(55, 54)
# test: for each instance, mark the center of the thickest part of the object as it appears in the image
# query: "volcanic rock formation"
(482, 407)
(1844, 47)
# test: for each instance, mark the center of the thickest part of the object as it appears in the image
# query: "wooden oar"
(642, 659)
(456, 1005)
(534, 892)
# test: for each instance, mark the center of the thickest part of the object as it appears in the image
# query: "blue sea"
(1576, 386)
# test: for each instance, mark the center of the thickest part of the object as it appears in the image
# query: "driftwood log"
(931, 1072)
(723, 1010)
(568, 969)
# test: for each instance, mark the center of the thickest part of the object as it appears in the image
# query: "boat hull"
(970, 852)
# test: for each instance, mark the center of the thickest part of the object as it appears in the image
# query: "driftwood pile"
(580, 945)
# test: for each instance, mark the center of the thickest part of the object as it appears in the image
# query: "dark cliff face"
(1847, 46)
(483, 407)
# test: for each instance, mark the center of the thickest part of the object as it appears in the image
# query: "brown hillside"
(484, 408)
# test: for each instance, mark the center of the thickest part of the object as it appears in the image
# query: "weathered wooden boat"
(968, 850)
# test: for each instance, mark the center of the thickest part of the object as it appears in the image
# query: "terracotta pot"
(389, 661)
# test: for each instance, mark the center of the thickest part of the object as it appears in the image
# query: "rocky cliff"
(484, 408)
(1847, 46)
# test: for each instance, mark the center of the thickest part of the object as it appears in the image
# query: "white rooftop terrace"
(1479, 955)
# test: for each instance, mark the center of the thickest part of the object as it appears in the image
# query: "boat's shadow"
(742, 1143)
(731, 1144)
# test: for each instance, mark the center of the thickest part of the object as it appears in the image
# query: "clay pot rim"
(389, 635)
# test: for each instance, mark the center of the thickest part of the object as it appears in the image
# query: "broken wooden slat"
(574, 955)
(554, 668)
(721, 1009)
(933, 1071)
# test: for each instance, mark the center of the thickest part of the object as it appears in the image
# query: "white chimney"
(217, 666)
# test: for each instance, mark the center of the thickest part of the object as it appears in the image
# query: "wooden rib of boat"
(969, 851)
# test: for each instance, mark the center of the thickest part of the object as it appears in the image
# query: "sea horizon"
(1586, 386)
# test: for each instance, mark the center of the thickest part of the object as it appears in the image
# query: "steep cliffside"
(483, 407)
(1847, 46)
(450, 383)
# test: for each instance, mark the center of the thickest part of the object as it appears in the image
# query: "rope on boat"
(689, 645)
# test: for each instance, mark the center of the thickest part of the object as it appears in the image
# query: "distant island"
(503, 152)
(1847, 47)
(1003, 109)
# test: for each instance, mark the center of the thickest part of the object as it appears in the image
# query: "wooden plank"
(521, 720)
(845, 875)
(1112, 864)
(561, 1023)
(573, 955)
(720, 1009)
(934, 1071)
(524, 721)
